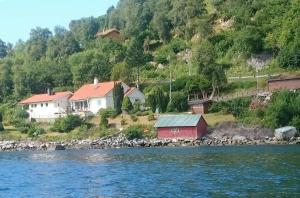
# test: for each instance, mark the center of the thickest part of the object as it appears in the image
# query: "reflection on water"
(270, 171)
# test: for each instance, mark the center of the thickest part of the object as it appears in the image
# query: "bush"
(137, 106)
(142, 113)
(289, 56)
(151, 117)
(123, 121)
(35, 131)
(237, 107)
(1, 127)
(105, 114)
(139, 132)
(283, 110)
(67, 124)
(127, 105)
(177, 45)
(134, 118)
(179, 102)
(134, 132)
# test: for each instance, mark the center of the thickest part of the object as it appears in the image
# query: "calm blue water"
(254, 171)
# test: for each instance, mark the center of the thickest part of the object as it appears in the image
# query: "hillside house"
(110, 33)
(181, 126)
(284, 83)
(200, 106)
(91, 98)
(47, 107)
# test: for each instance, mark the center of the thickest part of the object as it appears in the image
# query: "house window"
(58, 104)
(175, 130)
(46, 104)
(42, 104)
(35, 105)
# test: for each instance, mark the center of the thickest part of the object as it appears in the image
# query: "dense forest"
(162, 38)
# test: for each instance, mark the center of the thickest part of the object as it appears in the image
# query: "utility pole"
(170, 85)
(256, 78)
(138, 78)
(170, 94)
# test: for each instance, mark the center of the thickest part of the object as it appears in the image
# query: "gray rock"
(285, 133)
(239, 138)
(59, 147)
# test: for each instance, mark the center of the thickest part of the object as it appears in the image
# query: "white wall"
(95, 104)
(48, 110)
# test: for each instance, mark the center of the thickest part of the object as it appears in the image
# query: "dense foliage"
(67, 123)
(220, 34)
(283, 110)
(139, 131)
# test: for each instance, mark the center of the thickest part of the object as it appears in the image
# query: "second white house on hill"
(96, 96)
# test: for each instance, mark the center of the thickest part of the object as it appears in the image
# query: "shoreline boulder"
(285, 133)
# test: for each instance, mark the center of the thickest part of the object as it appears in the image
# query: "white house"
(96, 96)
(47, 107)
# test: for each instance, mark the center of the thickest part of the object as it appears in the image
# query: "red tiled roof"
(92, 91)
(45, 97)
(130, 91)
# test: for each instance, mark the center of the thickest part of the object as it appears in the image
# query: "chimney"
(96, 82)
(49, 91)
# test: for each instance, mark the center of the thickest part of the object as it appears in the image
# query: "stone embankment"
(120, 141)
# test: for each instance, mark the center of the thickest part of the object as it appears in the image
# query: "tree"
(283, 110)
(89, 64)
(118, 95)
(84, 30)
(6, 79)
(127, 105)
(163, 26)
(135, 56)
(37, 43)
(179, 102)
(205, 61)
(158, 100)
(1, 120)
(198, 83)
(3, 49)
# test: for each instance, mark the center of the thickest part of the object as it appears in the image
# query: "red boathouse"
(181, 126)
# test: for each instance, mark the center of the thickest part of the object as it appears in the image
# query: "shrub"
(23, 129)
(134, 132)
(105, 114)
(283, 110)
(179, 102)
(137, 106)
(127, 105)
(139, 132)
(151, 117)
(123, 121)
(1, 127)
(237, 107)
(67, 123)
(142, 113)
(35, 131)
(134, 118)
(177, 45)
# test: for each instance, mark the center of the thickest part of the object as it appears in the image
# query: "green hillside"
(204, 38)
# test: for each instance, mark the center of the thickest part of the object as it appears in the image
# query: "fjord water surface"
(240, 171)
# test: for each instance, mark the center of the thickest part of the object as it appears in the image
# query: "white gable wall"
(95, 104)
(137, 95)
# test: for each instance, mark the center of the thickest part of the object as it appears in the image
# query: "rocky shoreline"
(120, 141)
